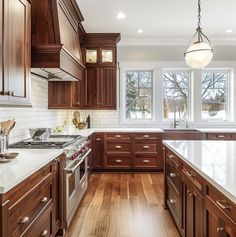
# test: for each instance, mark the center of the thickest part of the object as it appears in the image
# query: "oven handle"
(72, 170)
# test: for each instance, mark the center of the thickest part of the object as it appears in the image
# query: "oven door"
(75, 185)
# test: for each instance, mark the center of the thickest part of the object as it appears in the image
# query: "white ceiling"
(164, 22)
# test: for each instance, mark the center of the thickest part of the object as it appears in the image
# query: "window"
(176, 93)
(138, 95)
(215, 94)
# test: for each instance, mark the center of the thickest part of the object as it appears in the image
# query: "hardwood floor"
(123, 205)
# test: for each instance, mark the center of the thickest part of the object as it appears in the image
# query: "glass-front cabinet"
(100, 55)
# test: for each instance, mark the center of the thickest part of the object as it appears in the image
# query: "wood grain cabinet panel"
(118, 161)
(221, 136)
(118, 147)
(98, 150)
(145, 147)
(147, 161)
(118, 136)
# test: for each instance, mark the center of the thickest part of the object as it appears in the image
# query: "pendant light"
(199, 54)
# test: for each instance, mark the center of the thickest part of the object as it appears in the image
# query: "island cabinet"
(198, 208)
(220, 136)
(15, 52)
(97, 151)
(32, 208)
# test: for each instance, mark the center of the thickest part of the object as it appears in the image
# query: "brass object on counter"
(9, 155)
(76, 121)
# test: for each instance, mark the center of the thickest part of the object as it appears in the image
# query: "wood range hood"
(56, 29)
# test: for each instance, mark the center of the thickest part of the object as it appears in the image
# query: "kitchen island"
(200, 188)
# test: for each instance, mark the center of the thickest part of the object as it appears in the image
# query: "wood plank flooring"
(123, 205)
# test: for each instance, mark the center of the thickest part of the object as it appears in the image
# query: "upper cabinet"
(15, 52)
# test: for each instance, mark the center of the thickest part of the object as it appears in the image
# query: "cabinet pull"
(24, 220)
(146, 136)
(44, 233)
(118, 147)
(98, 139)
(146, 147)
(146, 161)
(219, 229)
(118, 136)
(78, 103)
(173, 175)
(189, 193)
(220, 136)
(97, 103)
(118, 161)
(172, 201)
(44, 199)
(190, 174)
(223, 204)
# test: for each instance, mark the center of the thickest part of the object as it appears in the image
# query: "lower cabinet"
(98, 147)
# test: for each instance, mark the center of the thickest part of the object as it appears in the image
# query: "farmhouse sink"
(179, 130)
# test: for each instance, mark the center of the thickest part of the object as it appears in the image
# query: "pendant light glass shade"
(199, 54)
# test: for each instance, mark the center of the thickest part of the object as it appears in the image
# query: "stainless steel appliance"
(73, 169)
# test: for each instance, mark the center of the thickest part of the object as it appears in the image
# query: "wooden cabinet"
(32, 207)
(98, 149)
(183, 135)
(220, 136)
(15, 57)
(101, 88)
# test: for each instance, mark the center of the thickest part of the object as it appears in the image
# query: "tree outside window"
(139, 87)
(215, 94)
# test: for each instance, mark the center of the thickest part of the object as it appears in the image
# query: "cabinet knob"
(44, 233)
(146, 161)
(189, 193)
(44, 199)
(78, 102)
(24, 220)
(173, 175)
(118, 147)
(220, 136)
(220, 229)
(146, 136)
(118, 161)
(172, 201)
(223, 204)
(98, 139)
(146, 147)
(190, 173)
(118, 136)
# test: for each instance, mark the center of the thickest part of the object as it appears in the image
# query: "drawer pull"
(220, 136)
(118, 136)
(98, 139)
(172, 201)
(44, 199)
(24, 220)
(220, 229)
(118, 147)
(118, 161)
(44, 233)
(173, 175)
(171, 156)
(189, 193)
(223, 204)
(190, 174)
(146, 147)
(146, 136)
(146, 161)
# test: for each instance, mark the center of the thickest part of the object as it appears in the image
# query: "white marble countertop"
(214, 160)
(25, 164)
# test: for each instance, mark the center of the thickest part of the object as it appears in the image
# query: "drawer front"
(42, 226)
(117, 136)
(191, 175)
(146, 162)
(223, 203)
(220, 136)
(174, 203)
(26, 214)
(118, 162)
(173, 175)
(174, 159)
(118, 147)
(147, 136)
(145, 147)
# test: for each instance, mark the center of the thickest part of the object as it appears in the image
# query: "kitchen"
(145, 168)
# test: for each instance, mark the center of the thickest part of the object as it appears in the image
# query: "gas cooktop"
(53, 142)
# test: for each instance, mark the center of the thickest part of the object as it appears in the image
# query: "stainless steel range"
(73, 169)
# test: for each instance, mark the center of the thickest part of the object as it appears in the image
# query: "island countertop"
(213, 160)
(25, 164)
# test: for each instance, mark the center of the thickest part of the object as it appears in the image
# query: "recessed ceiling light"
(140, 31)
(229, 31)
(120, 15)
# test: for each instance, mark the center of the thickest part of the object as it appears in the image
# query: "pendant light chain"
(199, 14)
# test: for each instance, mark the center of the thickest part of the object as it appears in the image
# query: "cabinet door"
(98, 151)
(77, 94)
(92, 87)
(17, 49)
(108, 88)
(108, 55)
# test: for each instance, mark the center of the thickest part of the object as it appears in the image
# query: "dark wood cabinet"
(220, 136)
(98, 148)
(16, 48)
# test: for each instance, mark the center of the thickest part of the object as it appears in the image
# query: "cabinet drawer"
(191, 175)
(175, 160)
(146, 162)
(118, 147)
(118, 161)
(42, 227)
(223, 203)
(220, 136)
(173, 174)
(30, 209)
(147, 136)
(117, 136)
(145, 147)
